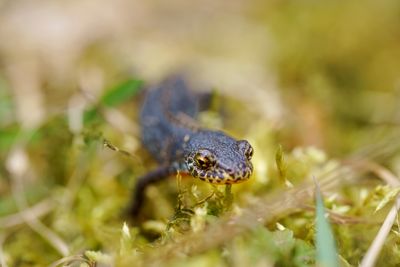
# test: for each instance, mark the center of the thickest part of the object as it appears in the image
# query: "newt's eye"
(204, 159)
(246, 148)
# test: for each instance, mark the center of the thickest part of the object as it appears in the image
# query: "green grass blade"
(121, 92)
(325, 242)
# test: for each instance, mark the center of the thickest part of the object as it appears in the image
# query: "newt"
(170, 133)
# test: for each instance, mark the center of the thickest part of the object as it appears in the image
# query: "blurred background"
(320, 68)
(301, 74)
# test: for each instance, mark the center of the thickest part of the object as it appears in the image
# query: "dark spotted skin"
(172, 136)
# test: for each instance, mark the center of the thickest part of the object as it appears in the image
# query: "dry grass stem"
(373, 252)
(18, 164)
(38, 210)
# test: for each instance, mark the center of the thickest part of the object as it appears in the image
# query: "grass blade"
(121, 93)
(325, 243)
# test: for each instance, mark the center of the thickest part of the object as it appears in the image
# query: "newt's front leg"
(139, 192)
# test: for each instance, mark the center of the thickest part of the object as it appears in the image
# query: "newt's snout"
(220, 159)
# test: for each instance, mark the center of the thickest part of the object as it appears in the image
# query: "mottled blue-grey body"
(162, 119)
(170, 133)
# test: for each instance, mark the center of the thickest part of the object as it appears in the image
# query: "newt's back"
(165, 107)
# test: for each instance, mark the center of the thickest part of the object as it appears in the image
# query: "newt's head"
(217, 158)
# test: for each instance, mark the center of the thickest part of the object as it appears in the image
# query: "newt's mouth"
(219, 175)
